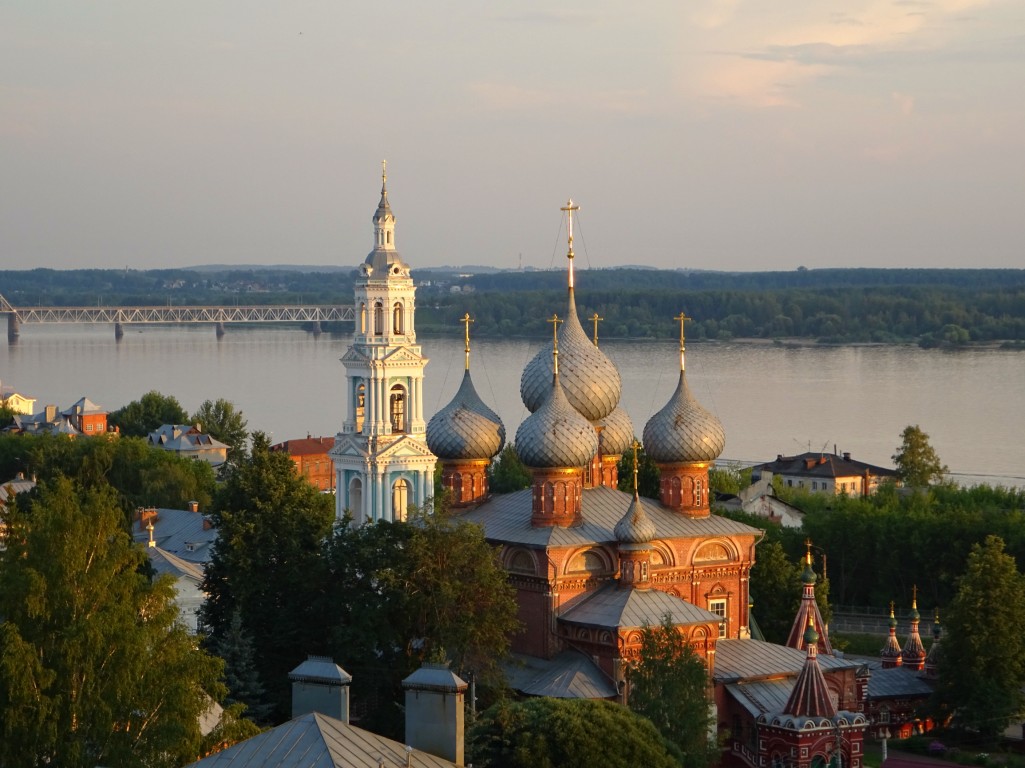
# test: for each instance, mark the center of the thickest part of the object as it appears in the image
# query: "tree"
(267, 564)
(241, 676)
(566, 733)
(142, 416)
(648, 474)
(669, 686)
(508, 473)
(95, 666)
(982, 665)
(222, 421)
(775, 591)
(917, 462)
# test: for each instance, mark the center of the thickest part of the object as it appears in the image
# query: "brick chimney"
(434, 712)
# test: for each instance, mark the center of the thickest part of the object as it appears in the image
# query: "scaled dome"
(683, 431)
(635, 527)
(617, 435)
(466, 428)
(590, 380)
(556, 435)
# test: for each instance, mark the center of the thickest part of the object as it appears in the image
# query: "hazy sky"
(721, 134)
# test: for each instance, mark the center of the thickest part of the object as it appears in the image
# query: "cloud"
(513, 97)
(905, 102)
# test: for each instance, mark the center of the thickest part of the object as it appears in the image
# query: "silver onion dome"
(635, 527)
(590, 380)
(556, 435)
(683, 431)
(617, 433)
(466, 428)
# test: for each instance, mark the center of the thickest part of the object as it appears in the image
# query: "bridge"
(217, 316)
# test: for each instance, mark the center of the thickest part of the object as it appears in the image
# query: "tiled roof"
(305, 446)
(810, 696)
(752, 659)
(506, 518)
(612, 606)
(318, 741)
(569, 675)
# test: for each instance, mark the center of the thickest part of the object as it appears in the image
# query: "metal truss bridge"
(216, 316)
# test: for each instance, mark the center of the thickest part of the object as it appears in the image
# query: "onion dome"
(635, 527)
(617, 432)
(466, 428)
(556, 435)
(590, 379)
(683, 431)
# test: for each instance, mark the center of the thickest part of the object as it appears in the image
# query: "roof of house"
(83, 406)
(569, 675)
(612, 606)
(318, 741)
(13, 487)
(181, 533)
(185, 439)
(305, 446)
(164, 562)
(750, 659)
(822, 465)
(506, 518)
(896, 682)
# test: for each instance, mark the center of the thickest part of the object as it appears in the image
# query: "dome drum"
(684, 487)
(555, 497)
(466, 480)
(634, 565)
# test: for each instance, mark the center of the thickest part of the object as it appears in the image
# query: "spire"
(569, 207)
(384, 219)
(810, 696)
(634, 532)
(683, 319)
(809, 609)
(149, 527)
(890, 653)
(466, 320)
(914, 652)
(932, 661)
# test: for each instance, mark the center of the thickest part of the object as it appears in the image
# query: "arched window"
(388, 235)
(361, 406)
(398, 409)
(356, 500)
(396, 318)
(378, 318)
(399, 499)
(363, 318)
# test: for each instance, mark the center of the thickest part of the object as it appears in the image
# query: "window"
(814, 485)
(790, 483)
(361, 406)
(363, 318)
(378, 318)
(399, 499)
(699, 492)
(398, 409)
(718, 607)
(396, 320)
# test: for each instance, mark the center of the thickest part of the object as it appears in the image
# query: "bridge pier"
(219, 330)
(315, 328)
(119, 331)
(13, 328)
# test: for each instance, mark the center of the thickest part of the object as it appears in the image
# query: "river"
(771, 399)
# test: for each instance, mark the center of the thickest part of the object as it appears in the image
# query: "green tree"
(916, 460)
(648, 474)
(669, 686)
(267, 564)
(566, 733)
(223, 421)
(729, 479)
(241, 676)
(6, 415)
(142, 416)
(95, 666)
(982, 667)
(775, 591)
(507, 472)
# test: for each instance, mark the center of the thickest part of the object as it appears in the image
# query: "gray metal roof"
(318, 741)
(556, 435)
(506, 518)
(165, 562)
(752, 659)
(466, 428)
(763, 695)
(612, 606)
(683, 430)
(181, 533)
(434, 677)
(569, 675)
(897, 683)
(617, 432)
(320, 669)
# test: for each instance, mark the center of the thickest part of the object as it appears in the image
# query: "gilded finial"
(384, 173)
(569, 207)
(595, 319)
(891, 609)
(636, 447)
(683, 319)
(466, 320)
(914, 597)
(807, 556)
(149, 527)
(555, 341)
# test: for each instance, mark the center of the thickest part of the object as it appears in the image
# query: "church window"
(363, 318)
(388, 236)
(699, 492)
(399, 499)
(588, 562)
(522, 562)
(718, 607)
(378, 318)
(712, 552)
(356, 500)
(361, 406)
(396, 321)
(398, 409)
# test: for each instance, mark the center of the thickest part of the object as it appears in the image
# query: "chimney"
(846, 455)
(320, 685)
(434, 712)
(193, 506)
(51, 413)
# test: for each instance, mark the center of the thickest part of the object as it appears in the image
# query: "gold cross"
(636, 446)
(596, 320)
(384, 171)
(555, 340)
(682, 318)
(466, 320)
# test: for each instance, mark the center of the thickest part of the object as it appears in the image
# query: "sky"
(709, 134)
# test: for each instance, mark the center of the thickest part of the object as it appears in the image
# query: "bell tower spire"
(384, 219)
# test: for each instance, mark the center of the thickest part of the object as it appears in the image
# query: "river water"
(771, 399)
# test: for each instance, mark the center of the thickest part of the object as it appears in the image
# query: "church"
(591, 565)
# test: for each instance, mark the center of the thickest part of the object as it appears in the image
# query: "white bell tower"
(382, 462)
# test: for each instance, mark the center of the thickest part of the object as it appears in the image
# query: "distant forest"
(931, 307)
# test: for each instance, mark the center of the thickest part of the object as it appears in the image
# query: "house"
(82, 418)
(87, 417)
(16, 402)
(311, 459)
(759, 499)
(190, 443)
(826, 473)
